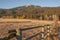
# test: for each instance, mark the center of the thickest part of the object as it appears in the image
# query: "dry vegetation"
(9, 24)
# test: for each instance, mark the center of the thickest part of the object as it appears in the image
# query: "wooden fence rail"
(29, 28)
(19, 35)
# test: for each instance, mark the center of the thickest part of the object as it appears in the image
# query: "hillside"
(28, 12)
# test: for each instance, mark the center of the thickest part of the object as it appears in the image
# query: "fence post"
(19, 34)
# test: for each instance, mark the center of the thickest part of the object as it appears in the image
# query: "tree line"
(30, 12)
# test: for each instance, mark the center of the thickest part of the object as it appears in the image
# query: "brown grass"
(9, 24)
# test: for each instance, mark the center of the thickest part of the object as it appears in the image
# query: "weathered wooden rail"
(24, 29)
(45, 32)
(39, 33)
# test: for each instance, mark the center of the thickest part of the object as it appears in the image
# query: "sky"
(16, 3)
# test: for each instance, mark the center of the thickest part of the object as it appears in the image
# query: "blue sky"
(17, 3)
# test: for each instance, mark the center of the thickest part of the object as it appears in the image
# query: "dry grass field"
(10, 24)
